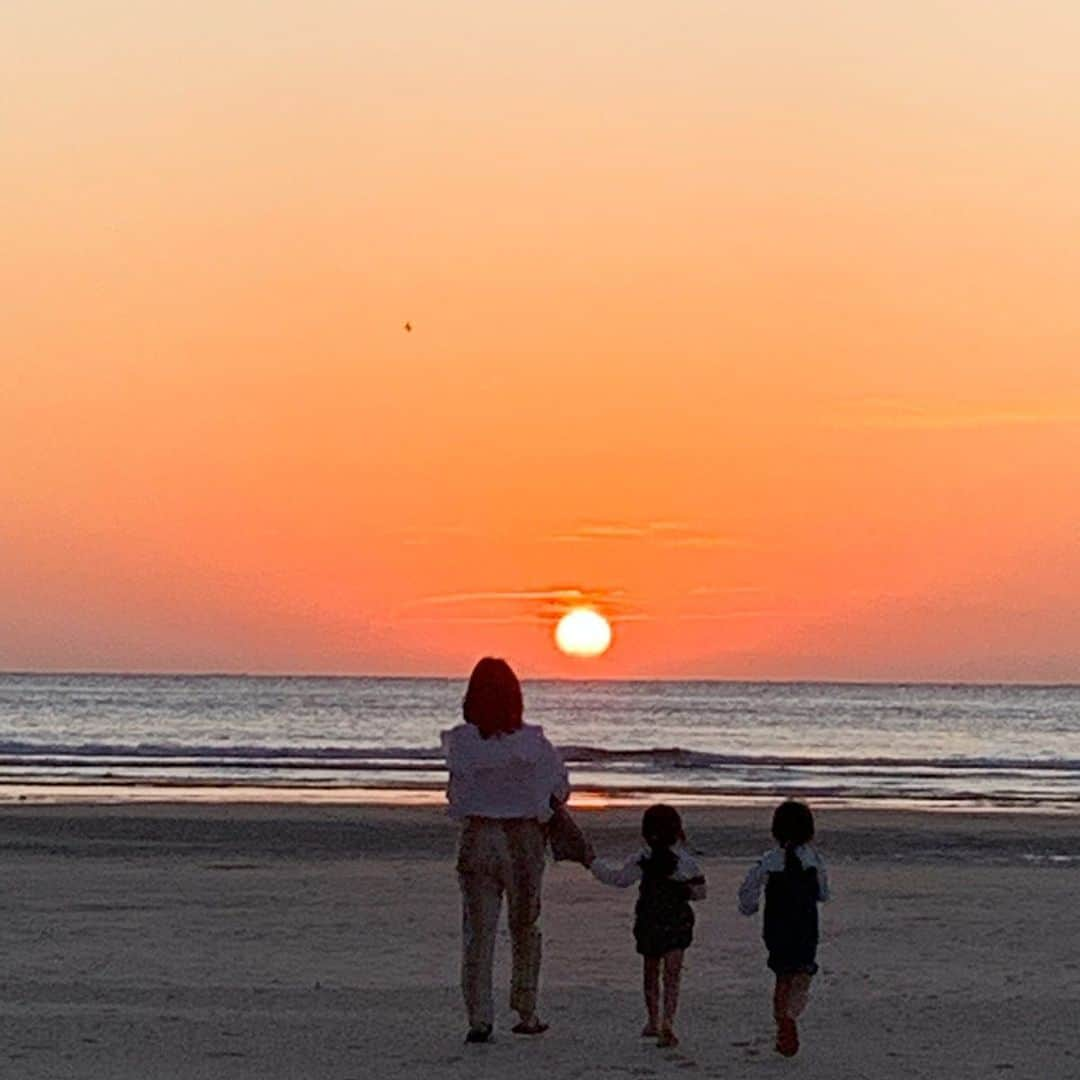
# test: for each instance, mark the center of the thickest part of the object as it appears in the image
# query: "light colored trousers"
(498, 856)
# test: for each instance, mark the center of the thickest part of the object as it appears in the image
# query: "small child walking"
(669, 879)
(794, 879)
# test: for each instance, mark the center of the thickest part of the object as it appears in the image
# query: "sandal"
(534, 1026)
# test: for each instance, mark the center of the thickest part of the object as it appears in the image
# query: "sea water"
(864, 744)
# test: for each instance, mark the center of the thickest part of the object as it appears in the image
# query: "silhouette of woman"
(504, 777)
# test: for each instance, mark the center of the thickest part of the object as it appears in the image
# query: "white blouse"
(622, 875)
(504, 776)
(772, 862)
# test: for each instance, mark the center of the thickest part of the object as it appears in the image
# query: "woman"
(504, 775)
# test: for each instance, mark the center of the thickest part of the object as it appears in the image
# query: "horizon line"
(729, 679)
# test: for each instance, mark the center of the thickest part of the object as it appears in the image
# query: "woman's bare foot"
(667, 1039)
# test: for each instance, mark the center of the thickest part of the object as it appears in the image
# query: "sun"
(583, 632)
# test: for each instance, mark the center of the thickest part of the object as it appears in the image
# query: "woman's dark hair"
(661, 829)
(792, 825)
(493, 702)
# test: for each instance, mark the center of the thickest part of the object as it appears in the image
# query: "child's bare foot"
(667, 1039)
(650, 1030)
(787, 1037)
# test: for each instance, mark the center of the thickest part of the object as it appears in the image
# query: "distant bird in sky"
(408, 328)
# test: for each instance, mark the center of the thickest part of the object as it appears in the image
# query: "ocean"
(126, 737)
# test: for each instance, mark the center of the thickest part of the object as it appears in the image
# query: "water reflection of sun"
(583, 632)
(591, 800)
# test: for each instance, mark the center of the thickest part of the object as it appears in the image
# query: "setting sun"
(583, 632)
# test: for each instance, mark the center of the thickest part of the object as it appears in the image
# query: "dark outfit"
(794, 883)
(663, 917)
(791, 920)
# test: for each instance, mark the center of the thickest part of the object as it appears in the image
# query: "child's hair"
(661, 829)
(792, 825)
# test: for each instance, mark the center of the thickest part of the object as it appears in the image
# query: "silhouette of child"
(794, 879)
(669, 879)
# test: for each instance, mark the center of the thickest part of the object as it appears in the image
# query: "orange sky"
(756, 324)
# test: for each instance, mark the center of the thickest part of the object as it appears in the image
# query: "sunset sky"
(755, 326)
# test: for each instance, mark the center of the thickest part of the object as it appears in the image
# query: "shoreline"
(320, 831)
(136, 792)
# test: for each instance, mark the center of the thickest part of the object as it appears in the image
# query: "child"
(663, 918)
(794, 879)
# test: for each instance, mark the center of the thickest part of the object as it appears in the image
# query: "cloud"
(489, 607)
(669, 526)
(601, 532)
(726, 616)
(544, 605)
(705, 541)
(484, 620)
(752, 613)
(497, 595)
(662, 533)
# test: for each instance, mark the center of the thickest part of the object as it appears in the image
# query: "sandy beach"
(279, 941)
